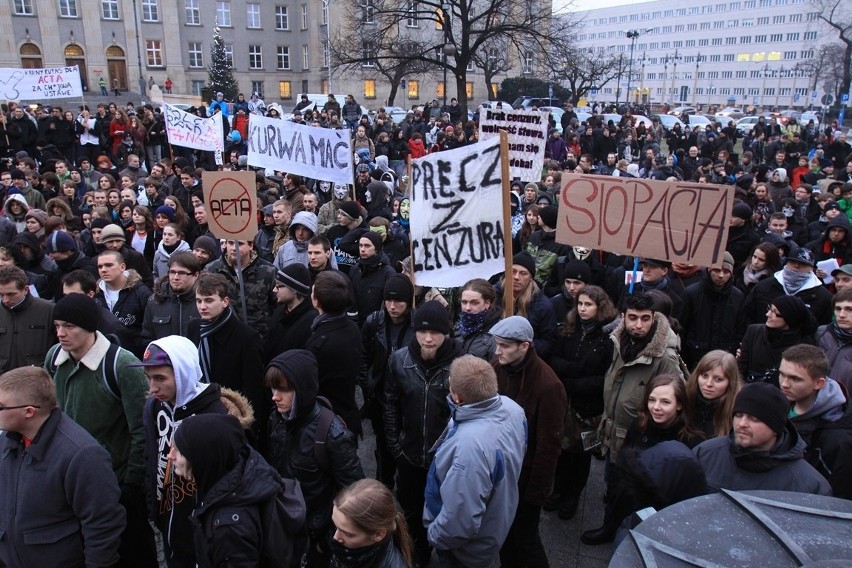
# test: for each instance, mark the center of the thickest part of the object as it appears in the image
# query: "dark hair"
(639, 301)
(88, 283)
(209, 284)
(186, 259)
(809, 357)
(773, 256)
(606, 309)
(483, 287)
(274, 379)
(332, 291)
(13, 274)
(320, 240)
(686, 432)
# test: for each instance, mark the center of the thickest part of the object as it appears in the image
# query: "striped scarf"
(206, 330)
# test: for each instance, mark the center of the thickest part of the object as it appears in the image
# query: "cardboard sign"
(40, 84)
(674, 221)
(231, 202)
(309, 151)
(191, 131)
(527, 131)
(456, 215)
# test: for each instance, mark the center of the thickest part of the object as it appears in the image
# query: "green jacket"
(624, 384)
(116, 425)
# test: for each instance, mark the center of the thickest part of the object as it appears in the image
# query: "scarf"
(588, 325)
(631, 346)
(660, 284)
(841, 335)
(751, 277)
(366, 557)
(471, 323)
(793, 281)
(206, 329)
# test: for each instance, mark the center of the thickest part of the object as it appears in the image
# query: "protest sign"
(457, 215)
(310, 151)
(674, 221)
(231, 202)
(527, 131)
(40, 84)
(191, 131)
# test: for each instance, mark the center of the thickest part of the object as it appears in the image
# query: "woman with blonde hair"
(371, 529)
(531, 303)
(710, 393)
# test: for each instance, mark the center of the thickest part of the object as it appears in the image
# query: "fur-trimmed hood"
(133, 278)
(238, 406)
(664, 338)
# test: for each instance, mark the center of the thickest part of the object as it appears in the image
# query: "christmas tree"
(221, 75)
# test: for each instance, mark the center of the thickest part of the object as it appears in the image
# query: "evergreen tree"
(221, 75)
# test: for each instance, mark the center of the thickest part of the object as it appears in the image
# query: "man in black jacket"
(113, 238)
(290, 324)
(122, 292)
(171, 308)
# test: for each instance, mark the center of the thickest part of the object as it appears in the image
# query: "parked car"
(527, 102)
(493, 105)
(668, 121)
(785, 115)
(682, 109)
(731, 112)
(396, 113)
(746, 123)
(700, 120)
(808, 116)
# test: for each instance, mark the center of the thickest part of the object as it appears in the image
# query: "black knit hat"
(296, 277)
(374, 238)
(350, 209)
(398, 287)
(78, 309)
(766, 403)
(548, 216)
(526, 260)
(742, 210)
(577, 270)
(795, 313)
(100, 223)
(431, 316)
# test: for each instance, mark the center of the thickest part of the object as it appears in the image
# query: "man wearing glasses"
(171, 308)
(58, 482)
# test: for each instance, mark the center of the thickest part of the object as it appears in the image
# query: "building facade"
(278, 47)
(743, 52)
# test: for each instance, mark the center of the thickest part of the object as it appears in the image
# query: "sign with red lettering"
(231, 202)
(40, 84)
(190, 131)
(674, 221)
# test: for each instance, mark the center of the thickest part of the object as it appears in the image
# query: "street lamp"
(778, 91)
(642, 77)
(763, 86)
(618, 84)
(695, 81)
(138, 52)
(449, 49)
(632, 35)
(327, 51)
(675, 59)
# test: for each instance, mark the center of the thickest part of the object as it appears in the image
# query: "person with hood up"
(235, 487)
(15, 209)
(43, 271)
(327, 217)
(177, 390)
(296, 425)
(833, 243)
(741, 236)
(779, 186)
(171, 243)
(295, 251)
(763, 450)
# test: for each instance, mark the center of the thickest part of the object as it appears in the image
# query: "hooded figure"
(834, 242)
(41, 270)
(296, 249)
(294, 432)
(169, 496)
(18, 213)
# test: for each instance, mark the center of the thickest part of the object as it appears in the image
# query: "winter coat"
(258, 279)
(289, 330)
(170, 497)
(368, 283)
(26, 333)
(813, 294)
(761, 349)
(336, 343)
(132, 299)
(472, 485)
(380, 339)
(711, 319)
(783, 468)
(839, 355)
(542, 319)
(542, 246)
(580, 360)
(20, 221)
(60, 505)
(293, 251)
(824, 249)
(115, 424)
(162, 256)
(167, 313)
(741, 242)
(416, 410)
(481, 343)
(293, 439)
(624, 383)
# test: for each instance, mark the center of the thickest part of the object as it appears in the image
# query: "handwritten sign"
(674, 221)
(191, 131)
(527, 131)
(39, 84)
(456, 215)
(310, 151)
(231, 202)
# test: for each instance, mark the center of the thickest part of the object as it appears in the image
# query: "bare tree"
(838, 15)
(581, 70)
(492, 61)
(451, 33)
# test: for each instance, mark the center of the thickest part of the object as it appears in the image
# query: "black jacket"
(711, 319)
(289, 330)
(336, 343)
(580, 360)
(167, 313)
(368, 283)
(761, 349)
(823, 248)
(379, 343)
(130, 306)
(292, 444)
(816, 297)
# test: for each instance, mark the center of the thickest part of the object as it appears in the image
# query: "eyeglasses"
(2, 408)
(180, 273)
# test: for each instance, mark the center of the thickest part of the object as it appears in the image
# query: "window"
(255, 57)
(368, 11)
(730, 41)
(229, 54)
(368, 53)
(717, 41)
(795, 18)
(154, 52)
(747, 22)
(468, 89)
(810, 36)
(109, 9)
(253, 16)
(733, 23)
(764, 21)
(439, 90)
(742, 74)
(326, 55)
(718, 25)
(306, 58)
(193, 12)
(813, 16)
(527, 64)
(150, 11)
(257, 87)
(768, 92)
(743, 57)
(712, 74)
(283, 57)
(281, 20)
(304, 16)
(727, 74)
(760, 38)
(196, 54)
(285, 90)
(679, 28)
(369, 88)
(703, 42)
(807, 54)
(705, 25)
(773, 56)
(413, 89)
(24, 7)
(776, 37)
(789, 55)
(778, 19)
(411, 16)
(692, 27)
(68, 8)
(793, 36)
(715, 58)
(728, 57)
(745, 39)
(223, 14)
(197, 85)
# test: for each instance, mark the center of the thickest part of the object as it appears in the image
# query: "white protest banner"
(456, 215)
(191, 131)
(527, 135)
(310, 151)
(40, 84)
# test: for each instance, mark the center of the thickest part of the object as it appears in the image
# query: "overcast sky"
(590, 4)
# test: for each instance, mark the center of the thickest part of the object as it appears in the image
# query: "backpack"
(109, 371)
(326, 417)
(285, 534)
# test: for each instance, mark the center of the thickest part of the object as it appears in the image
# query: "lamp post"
(327, 51)
(695, 81)
(665, 76)
(449, 49)
(763, 86)
(631, 35)
(618, 83)
(674, 71)
(138, 51)
(642, 76)
(778, 90)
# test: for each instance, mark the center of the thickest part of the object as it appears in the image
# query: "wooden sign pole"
(508, 293)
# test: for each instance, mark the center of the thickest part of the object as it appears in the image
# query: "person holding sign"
(531, 303)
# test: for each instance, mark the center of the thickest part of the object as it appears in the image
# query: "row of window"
(740, 91)
(753, 74)
(730, 40)
(694, 11)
